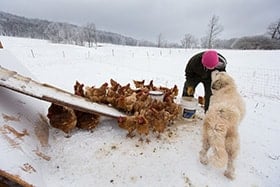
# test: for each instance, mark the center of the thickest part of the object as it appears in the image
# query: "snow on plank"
(25, 85)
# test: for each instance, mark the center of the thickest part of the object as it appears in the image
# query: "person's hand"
(190, 91)
(201, 100)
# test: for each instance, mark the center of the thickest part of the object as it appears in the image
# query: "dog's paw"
(218, 162)
(203, 161)
(203, 157)
(230, 175)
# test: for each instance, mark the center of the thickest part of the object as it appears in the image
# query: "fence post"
(32, 53)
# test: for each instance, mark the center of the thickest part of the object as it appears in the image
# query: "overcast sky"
(146, 19)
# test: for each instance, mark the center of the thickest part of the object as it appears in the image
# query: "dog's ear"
(219, 84)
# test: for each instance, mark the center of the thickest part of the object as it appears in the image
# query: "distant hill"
(57, 32)
(13, 25)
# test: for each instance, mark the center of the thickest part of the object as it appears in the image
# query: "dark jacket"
(196, 73)
(196, 70)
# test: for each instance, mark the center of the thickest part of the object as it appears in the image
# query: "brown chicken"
(111, 97)
(114, 85)
(143, 101)
(147, 113)
(129, 123)
(157, 105)
(139, 84)
(162, 118)
(97, 94)
(87, 121)
(132, 123)
(143, 126)
(151, 86)
(175, 90)
(173, 109)
(62, 118)
(142, 95)
(125, 90)
(126, 103)
(112, 93)
(78, 89)
(170, 94)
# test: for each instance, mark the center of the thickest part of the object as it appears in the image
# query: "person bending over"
(198, 70)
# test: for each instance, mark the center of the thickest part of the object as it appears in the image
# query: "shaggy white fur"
(220, 128)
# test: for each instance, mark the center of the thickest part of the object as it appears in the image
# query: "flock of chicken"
(145, 113)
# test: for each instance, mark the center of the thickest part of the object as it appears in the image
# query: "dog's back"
(226, 94)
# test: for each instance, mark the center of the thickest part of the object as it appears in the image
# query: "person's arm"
(189, 73)
(193, 74)
(191, 80)
(193, 66)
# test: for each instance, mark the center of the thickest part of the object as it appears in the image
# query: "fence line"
(259, 81)
(256, 81)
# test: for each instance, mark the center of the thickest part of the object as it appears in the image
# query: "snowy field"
(106, 157)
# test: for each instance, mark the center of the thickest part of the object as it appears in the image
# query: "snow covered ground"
(106, 157)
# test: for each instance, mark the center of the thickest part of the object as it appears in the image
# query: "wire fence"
(251, 81)
(258, 81)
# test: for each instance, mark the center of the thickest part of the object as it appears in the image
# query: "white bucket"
(158, 95)
(189, 106)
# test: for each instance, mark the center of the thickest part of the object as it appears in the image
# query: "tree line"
(269, 40)
(12, 25)
(88, 35)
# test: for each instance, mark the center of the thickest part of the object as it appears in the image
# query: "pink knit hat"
(210, 59)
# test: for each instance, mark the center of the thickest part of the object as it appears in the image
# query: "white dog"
(220, 128)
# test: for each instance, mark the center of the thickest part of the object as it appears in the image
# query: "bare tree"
(160, 40)
(274, 30)
(90, 34)
(204, 42)
(189, 41)
(78, 36)
(54, 32)
(2, 30)
(214, 29)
